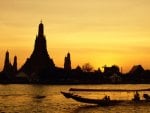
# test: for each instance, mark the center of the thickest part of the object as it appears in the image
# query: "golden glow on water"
(23, 98)
(100, 32)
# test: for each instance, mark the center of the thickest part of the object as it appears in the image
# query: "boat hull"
(100, 102)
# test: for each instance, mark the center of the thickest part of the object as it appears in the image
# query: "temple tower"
(39, 59)
(15, 64)
(67, 62)
(7, 64)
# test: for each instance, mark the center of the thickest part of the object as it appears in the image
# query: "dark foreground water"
(22, 99)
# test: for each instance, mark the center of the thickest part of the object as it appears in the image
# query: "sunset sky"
(101, 32)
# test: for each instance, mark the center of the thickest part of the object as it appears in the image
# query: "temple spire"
(67, 62)
(39, 66)
(41, 29)
(15, 64)
(7, 64)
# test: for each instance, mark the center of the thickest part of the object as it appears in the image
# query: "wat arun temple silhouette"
(40, 68)
(39, 59)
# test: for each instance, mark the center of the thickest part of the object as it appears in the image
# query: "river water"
(16, 98)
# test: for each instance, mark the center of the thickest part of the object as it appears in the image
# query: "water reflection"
(21, 99)
(83, 109)
(123, 108)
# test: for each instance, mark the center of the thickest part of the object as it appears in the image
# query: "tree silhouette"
(87, 67)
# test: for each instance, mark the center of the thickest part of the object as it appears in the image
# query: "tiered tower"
(7, 64)
(9, 70)
(39, 59)
(15, 64)
(67, 62)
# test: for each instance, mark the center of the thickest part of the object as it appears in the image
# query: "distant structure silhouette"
(39, 59)
(67, 62)
(9, 70)
(15, 64)
(7, 64)
(136, 69)
(111, 70)
(39, 68)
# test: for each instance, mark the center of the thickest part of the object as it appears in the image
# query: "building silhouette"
(67, 62)
(136, 69)
(9, 70)
(40, 68)
(7, 64)
(39, 60)
(15, 64)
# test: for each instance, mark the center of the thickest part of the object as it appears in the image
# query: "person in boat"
(136, 97)
(107, 98)
(146, 97)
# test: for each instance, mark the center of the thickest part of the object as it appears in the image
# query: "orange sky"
(96, 31)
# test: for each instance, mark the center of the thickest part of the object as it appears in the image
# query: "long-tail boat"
(101, 102)
(109, 90)
(107, 101)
